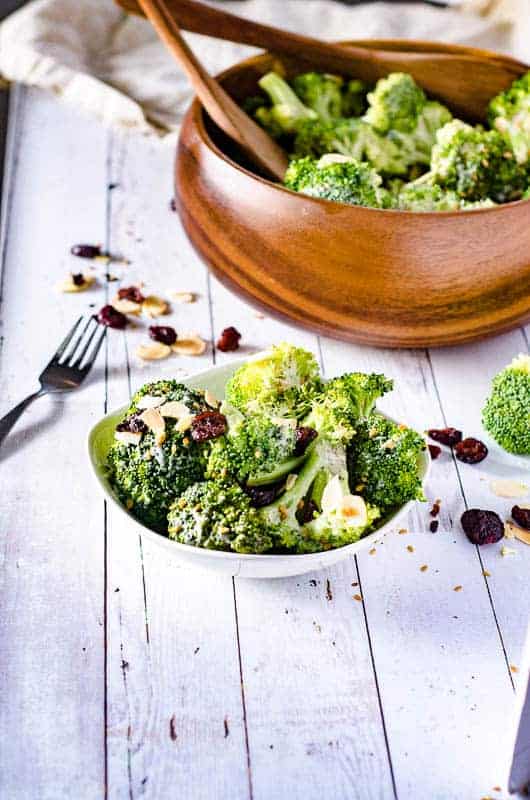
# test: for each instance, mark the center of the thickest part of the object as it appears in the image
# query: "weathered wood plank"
(52, 624)
(173, 666)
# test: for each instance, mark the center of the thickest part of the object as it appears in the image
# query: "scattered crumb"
(410, 548)
(227, 729)
(508, 551)
(357, 597)
(372, 552)
(173, 729)
(401, 531)
(355, 583)
(458, 588)
(513, 668)
(486, 573)
(424, 568)
(329, 593)
(181, 297)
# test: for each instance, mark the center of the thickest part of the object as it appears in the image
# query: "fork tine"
(70, 351)
(79, 357)
(66, 341)
(95, 350)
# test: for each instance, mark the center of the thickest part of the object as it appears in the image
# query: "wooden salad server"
(258, 146)
(445, 75)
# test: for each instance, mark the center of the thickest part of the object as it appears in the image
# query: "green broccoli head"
(287, 109)
(415, 146)
(279, 382)
(383, 463)
(218, 515)
(153, 460)
(476, 164)
(526, 195)
(346, 136)
(509, 113)
(395, 103)
(266, 118)
(426, 197)
(320, 92)
(337, 178)
(506, 414)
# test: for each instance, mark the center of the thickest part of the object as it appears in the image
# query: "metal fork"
(67, 369)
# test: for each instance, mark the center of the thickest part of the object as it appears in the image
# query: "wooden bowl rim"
(197, 112)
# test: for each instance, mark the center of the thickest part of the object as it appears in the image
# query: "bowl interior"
(100, 440)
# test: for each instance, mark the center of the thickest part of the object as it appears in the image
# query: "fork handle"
(7, 422)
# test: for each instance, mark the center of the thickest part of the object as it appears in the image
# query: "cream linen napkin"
(114, 67)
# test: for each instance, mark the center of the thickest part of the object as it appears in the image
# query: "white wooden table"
(127, 676)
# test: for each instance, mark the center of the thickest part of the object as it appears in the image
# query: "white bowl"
(100, 439)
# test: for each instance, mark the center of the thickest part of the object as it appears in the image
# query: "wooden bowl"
(387, 278)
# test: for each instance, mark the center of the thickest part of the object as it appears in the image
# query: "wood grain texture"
(442, 72)
(377, 277)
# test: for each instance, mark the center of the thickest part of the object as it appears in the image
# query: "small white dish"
(100, 439)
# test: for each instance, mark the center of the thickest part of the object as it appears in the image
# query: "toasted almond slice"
(68, 286)
(521, 534)
(191, 345)
(181, 297)
(184, 423)
(508, 488)
(174, 409)
(509, 530)
(154, 306)
(126, 306)
(127, 437)
(150, 401)
(154, 351)
(156, 423)
(211, 399)
(291, 480)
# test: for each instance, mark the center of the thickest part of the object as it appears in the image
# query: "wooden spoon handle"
(257, 144)
(366, 63)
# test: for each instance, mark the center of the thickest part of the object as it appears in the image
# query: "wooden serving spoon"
(258, 146)
(445, 75)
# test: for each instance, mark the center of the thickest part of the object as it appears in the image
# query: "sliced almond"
(291, 480)
(126, 306)
(211, 399)
(509, 530)
(181, 297)
(68, 286)
(127, 437)
(154, 351)
(191, 345)
(154, 306)
(521, 534)
(150, 401)
(508, 488)
(174, 409)
(184, 423)
(156, 423)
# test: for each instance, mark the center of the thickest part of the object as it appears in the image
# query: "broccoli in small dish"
(289, 463)
(506, 414)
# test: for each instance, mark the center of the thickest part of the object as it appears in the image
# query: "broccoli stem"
(263, 478)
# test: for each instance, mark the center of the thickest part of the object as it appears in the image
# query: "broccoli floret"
(148, 474)
(474, 163)
(266, 118)
(526, 195)
(415, 146)
(287, 109)
(218, 515)
(383, 463)
(354, 101)
(346, 136)
(428, 197)
(506, 414)
(321, 92)
(280, 382)
(340, 179)
(509, 113)
(487, 203)
(395, 103)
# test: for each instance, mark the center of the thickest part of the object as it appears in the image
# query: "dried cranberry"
(435, 510)
(208, 425)
(448, 436)
(172, 204)
(132, 293)
(304, 437)
(521, 516)
(163, 333)
(78, 279)
(111, 318)
(132, 424)
(434, 450)
(433, 527)
(229, 340)
(306, 513)
(86, 250)
(471, 451)
(263, 495)
(482, 527)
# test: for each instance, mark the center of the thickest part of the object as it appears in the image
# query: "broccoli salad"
(391, 147)
(288, 463)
